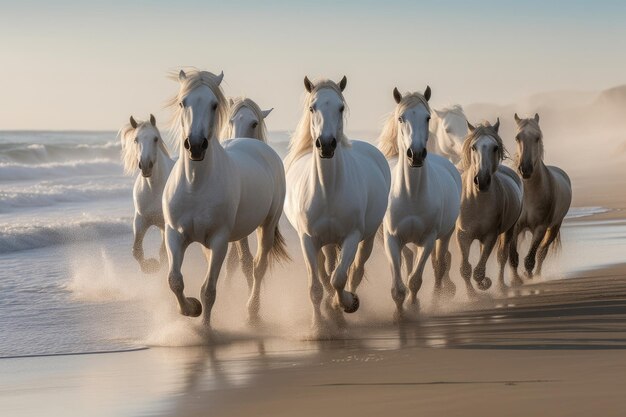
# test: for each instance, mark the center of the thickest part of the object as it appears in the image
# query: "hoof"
(150, 266)
(485, 284)
(517, 282)
(195, 307)
(449, 289)
(355, 304)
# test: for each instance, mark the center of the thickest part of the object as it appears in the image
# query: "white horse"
(491, 203)
(547, 197)
(245, 120)
(424, 200)
(448, 128)
(336, 197)
(219, 194)
(143, 148)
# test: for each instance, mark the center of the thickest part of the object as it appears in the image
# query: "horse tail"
(278, 253)
(555, 246)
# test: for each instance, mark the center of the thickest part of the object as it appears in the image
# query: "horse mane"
(238, 103)
(301, 141)
(483, 129)
(388, 139)
(194, 79)
(130, 154)
(531, 126)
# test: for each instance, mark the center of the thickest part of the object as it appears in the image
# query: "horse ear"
(343, 83)
(308, 85)
(152, 120)
(220, 78)
(537, 117)
(397, 96)
(517, 118)
(182, 76)
(133, 123)
(470, 127)
(266, 113)
(427, 93)
(497, 125)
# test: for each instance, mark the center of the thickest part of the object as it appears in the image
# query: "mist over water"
(69, 284)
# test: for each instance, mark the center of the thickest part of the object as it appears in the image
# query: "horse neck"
(199, 172)
(411, 181)
(328, 174)
(539, 177)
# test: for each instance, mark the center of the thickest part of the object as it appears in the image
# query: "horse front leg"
(310, 249)
(393, 250)
(215, 251)
(265, 238)
(140, 227)
(345, 299)
(503, 257)
(529, 262)
(441, 265)
(465, 243)
(516, 280)
(479, 271)
(176, 245)
(327, 259)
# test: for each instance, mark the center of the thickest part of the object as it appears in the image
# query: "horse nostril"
(318, 143)
(205, 143)
(409, 153)
(424, 153)
(476, 180)
(334, 143)
(187, 144)
(151, 165)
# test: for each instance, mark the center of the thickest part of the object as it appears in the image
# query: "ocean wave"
(36, 153)
(17, 171)
(47, 193)
(18, 237)
(577, 212)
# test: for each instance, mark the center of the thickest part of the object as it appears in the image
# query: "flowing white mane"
(130, 153)
(388, 139)
(194, 79)
(238, 103)
(301, 141)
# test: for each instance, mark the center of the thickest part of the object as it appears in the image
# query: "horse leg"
(247, 262)
(140, 227)
(231, 263)
(176, 245)
(357, 271)
(349, 301)
(393, 249)
(407, 258)
(310, 249)
(215, 252)
(479, 271)
(162, 250)
(465, 244)
(503, 257)
(415, 279)
(529, 262)
(441, 265)
(551, 236)
(516, 280)
(327, 258)
(265, 238)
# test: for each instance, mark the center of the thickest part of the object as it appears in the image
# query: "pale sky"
(81, 65)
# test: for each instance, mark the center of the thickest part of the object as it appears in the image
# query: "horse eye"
(474, 148)
(495, 149)
(311, 109)
(428, 119)
(181, 104)
(214, 106)
(255, 124)
(156, 139)
(401, 119)
(341, 109)
(136, 140)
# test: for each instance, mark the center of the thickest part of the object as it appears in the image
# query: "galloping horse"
(424, 200)
(448, 128)
(143, 148)
(547, 197)
(219, 194)
(337, 193)
(491, 203)
(245, 119)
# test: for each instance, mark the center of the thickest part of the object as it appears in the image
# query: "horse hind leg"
(357, 271)
(504, 243)
(345, 299)
(232, 261)
(480, 270)
(415, 278)
(393, 250)
(140, 227)
(441, 258)
(246, 260)
(465, 243)
(408, 257)
(551, 239)
(215, 252)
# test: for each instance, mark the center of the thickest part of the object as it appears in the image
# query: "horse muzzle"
(416, 159)
(146, 168)
(482, 182)
(526, 171)
(326, 149)
(196, 151)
